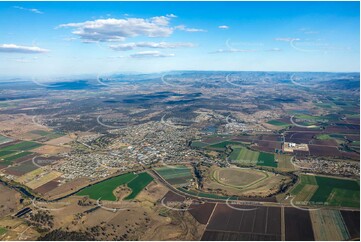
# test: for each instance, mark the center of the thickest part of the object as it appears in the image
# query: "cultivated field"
(244, 156)
(105, 189)
(321, 190)
(328, 225)
(175, 175)
(138, 184)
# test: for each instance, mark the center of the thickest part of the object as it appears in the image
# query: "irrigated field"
(21, 146)
(175, 175)
(138, 184)
(266, 159)
(105, 190)
(4, 139)
(328, 191)
(246, 156)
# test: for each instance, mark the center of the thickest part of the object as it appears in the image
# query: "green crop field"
(6, 153)
(175, 175)
(24, 145)
(330, 191)
(223, 145)
(278, 123)
(4, 139)
(138, 184)
(104, 189)
(198, 144)
(244, 155)
(6, 161)
(266, 159)
(17, 156)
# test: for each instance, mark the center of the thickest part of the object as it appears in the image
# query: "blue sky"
(74, 38)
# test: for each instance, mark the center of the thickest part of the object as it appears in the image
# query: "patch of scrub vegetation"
(2, 231)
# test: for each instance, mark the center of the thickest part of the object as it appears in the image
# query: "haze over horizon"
(52, 39)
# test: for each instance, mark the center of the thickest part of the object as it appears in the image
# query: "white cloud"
(286, 39)
(171, 16)
(231, 51)
(308, 31)
(119, 29)
(184, 28)
(223, 27)
(149, 54)
(155, 45)
(274, 49)
(12, 48)
(33, 10)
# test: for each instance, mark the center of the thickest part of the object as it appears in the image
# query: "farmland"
(21, 146)
(328, 225)
(261, 223)
(244, 156)
(4, 139)
(105, 189)
(278, 123)
(175, 175)
(138, 184)
(327, 191)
